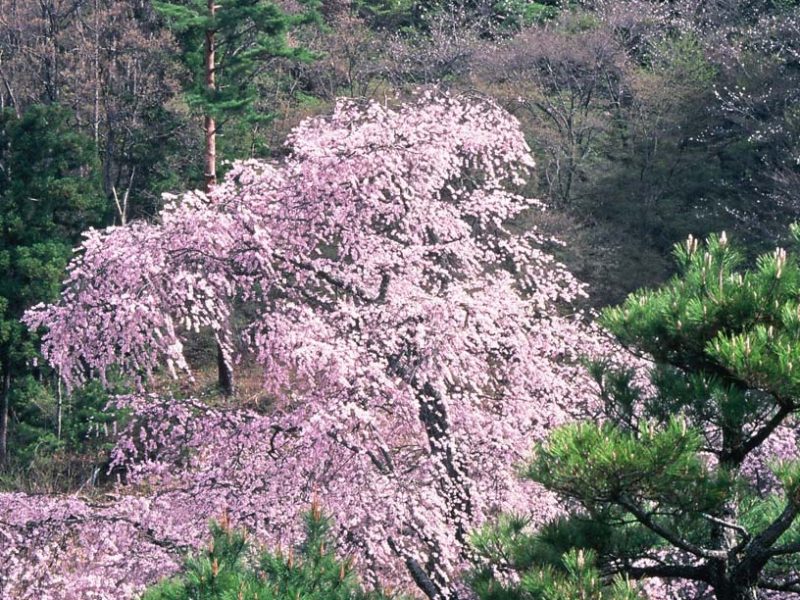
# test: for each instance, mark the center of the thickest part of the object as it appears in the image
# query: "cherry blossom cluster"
(66, 548)
(131, 291)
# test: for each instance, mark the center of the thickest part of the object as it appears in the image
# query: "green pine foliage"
(247, 33)
(390, 15)
(229, 569)
(524, 13)
(50, 192)
(549, 567)
(664, 475)
(52, 455)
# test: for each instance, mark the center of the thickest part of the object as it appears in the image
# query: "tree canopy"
(413, 341)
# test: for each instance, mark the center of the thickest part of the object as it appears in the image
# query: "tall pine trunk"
(211, 84)
(224, 369)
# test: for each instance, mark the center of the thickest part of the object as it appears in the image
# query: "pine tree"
(224, 570)
(226, 44)
(50, 192)
(225, 48)
(547, 571)
(692, 478)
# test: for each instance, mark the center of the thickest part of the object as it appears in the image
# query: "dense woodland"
(393, 299)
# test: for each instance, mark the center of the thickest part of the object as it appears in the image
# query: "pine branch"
(690, 572)
(647, 520)
(757, 551)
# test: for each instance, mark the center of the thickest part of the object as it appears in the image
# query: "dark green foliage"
(390, 15)
(728, 331)
(725, 341)
(50, 192)
(49, 179)
(524, 13)
(601, 464)
(413, 17)
(228, 569)
(166, 157)
(550, 565)
(248, 33)
(59, 441)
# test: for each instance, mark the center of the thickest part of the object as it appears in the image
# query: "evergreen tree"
(546, 569)
(226, 44)
(50, 192)
(693, 478)
(225, 48)
(224, 570)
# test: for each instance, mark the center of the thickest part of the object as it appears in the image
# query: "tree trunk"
(735, 592)
(224, 369)
(224, 372)
(96, 61)
(60, 408)
(210, 124)
(4, 408)
(211, 154)
(730, 583)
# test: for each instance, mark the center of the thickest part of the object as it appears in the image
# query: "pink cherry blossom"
(415, 344)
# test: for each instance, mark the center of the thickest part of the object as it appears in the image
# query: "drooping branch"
(792, 586)
(424, 582)
(145, 531)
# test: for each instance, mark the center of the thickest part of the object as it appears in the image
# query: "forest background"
(648, 121)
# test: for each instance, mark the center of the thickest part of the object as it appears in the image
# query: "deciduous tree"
(226, 45)
(411, 339)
